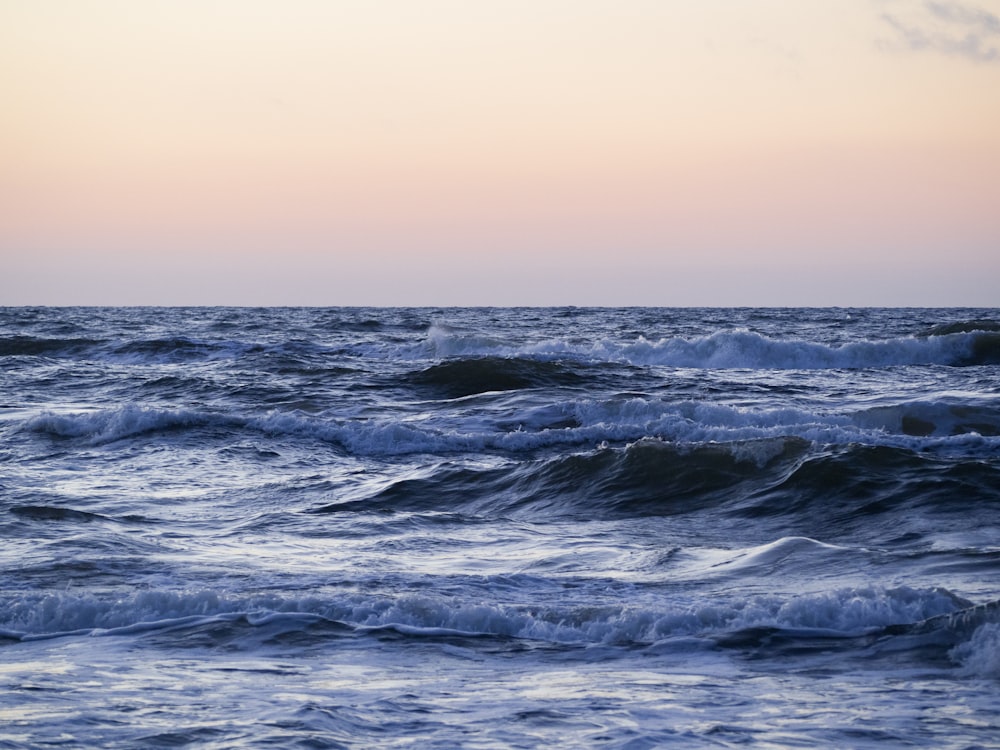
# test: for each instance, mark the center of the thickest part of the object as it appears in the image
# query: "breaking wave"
(845, 613)
(740, 349)
(569, 423)
(968, 343)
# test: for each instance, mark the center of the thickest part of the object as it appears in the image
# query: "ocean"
(497, 527)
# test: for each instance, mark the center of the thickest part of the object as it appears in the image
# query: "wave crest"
(740, 349)
(846, 613)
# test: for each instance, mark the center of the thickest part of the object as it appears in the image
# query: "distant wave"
(742, 350)
(969, 343)
(175, 349)
(963, 326)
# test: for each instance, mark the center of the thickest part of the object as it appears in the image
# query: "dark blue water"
(230, 527)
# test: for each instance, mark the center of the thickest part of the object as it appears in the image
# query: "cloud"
(965, 15)
(950, 28)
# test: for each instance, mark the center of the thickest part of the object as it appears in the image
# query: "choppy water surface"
(492, 527)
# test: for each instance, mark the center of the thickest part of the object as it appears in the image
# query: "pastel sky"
(540, 152)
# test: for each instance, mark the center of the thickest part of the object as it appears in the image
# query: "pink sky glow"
(546, 152)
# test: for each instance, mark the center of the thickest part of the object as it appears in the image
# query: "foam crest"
(733, 349)
(743, 349)
(697, 422)
(980, 655)
(848, 612)
(448, 341)
(573, 423)
(108, 425)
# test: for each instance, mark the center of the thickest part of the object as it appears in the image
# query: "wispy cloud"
(950, 28)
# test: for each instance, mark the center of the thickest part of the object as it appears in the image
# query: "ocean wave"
(574, 423)
(649, 477)
(784, 479)
(963, 326)
(464, 377)
(177, 349)
(924, 418)
(109, 425)
(172, 349)
(847, 486)
(166, 350)
(842, 613)
(736, 349)
(957, 344)
(34, 346)
(56, 513)
(980, 655)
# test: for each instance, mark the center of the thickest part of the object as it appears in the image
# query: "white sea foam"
(845, 611)
(108, 425)
(597, 421)
(980, 655)
(739, 349)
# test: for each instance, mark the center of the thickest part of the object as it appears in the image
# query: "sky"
(516, 152)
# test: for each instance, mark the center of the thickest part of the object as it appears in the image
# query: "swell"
(870, 491)
(465, 377)
(741, 349)
(34, 346)
(649, 477)
(48, 513)
(939, 417)
(985, 350)
(964, 326)
(967, 343)
(878, 493)
(171, 349)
